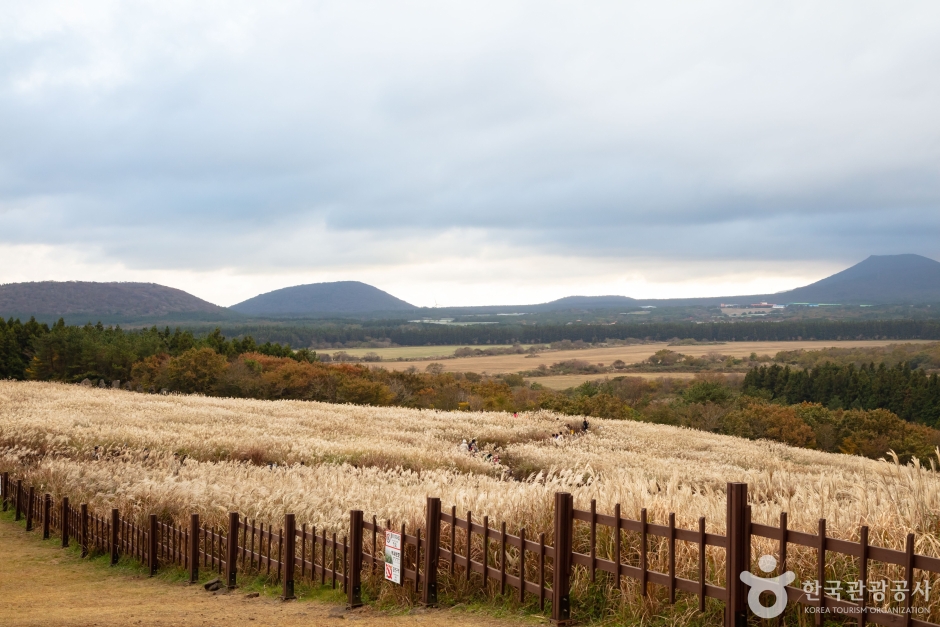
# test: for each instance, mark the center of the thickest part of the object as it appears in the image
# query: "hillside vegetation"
(70, 298)
(320, 298)
(155, 361)
(173, 455)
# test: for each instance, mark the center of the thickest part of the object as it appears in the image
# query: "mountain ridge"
(878, 279)
(104, 299)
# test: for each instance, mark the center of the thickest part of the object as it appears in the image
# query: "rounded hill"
(71, 298)
(322, 298)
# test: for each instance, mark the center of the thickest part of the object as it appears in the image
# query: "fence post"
(5, 488)
(354, 587)
(193, 548)
(17, 500)
(561, 582)
(231, 552)
(290, 539)
(432, 549)
(83, 528)
(115, 529)
(736, 556)
(152, 546)
(65, 522)
(30, 503)
(46, 515)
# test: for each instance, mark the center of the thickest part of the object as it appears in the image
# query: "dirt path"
(41, 584)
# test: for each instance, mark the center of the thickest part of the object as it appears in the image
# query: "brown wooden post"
(644, 577)
(736, 556)
(193, 548)
(115, 544)
(152, 560)
(821, 572)
(431, 550)
(354, 589)
(30, 504)
(542, 571)
(672, 557)
(64, 523)
(5, 488)
(288, 557)
(593, 541)
(231, 553)
(83, 528)
(18, 500)
(522, 565)
(701, 564)
(862, 574)
(46, 516)
(561, 583)
(909, 575)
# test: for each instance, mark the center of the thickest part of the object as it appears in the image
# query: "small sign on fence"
(393, 556)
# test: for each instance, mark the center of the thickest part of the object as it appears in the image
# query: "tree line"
(416, 334)
(908, 392)
(17, 337)
(72, 353)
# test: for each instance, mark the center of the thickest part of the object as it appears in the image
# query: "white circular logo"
(767, 563)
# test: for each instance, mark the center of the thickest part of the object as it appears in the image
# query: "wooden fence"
(289, 552)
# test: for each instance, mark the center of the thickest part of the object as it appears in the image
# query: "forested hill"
(50, 299)
(322, 298)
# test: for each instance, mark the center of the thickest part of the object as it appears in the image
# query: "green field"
(410, 352)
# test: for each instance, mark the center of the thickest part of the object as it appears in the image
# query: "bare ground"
(43, 585)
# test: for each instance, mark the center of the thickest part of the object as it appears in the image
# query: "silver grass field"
(173, 455)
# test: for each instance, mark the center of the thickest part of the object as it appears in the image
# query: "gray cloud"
(311, 135)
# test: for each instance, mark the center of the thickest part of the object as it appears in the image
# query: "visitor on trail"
(584, 425)
(464, 446)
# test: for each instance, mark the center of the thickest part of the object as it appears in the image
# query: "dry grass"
(409, 352)
(565, 381)
(331, 459)
(498, 364)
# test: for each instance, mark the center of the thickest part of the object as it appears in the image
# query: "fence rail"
(447, 545)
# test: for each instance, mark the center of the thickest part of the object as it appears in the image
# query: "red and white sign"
(393, 556)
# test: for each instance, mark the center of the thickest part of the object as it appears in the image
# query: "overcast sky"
(466, 153)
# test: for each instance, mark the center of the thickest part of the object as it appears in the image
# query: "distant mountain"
(49, 299)
(322, 298)
(590, 302)
(880, 279)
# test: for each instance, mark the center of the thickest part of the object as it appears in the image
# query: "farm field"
(410, 352)
(565, 381)
(498, 364)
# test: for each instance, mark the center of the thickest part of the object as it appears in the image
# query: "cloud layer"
(468, 154)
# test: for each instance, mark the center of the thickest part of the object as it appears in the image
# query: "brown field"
(565, 381)
(408, 352)
(498, 364)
